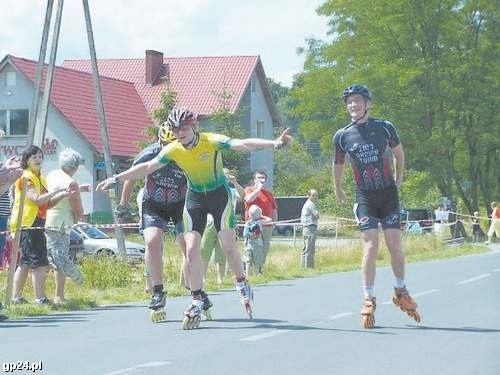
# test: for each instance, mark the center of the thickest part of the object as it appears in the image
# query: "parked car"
(96, 243)
(75, 244)
(417, 220)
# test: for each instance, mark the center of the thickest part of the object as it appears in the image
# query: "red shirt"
(265, 200)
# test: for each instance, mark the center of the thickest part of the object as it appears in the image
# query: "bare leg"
(20, 277)
(370, 250)
(393, 241)
(38, 277)
(60, 280)
(227, 238)
(153, 238)
(194, 263)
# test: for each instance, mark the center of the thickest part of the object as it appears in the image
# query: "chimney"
(154, 63)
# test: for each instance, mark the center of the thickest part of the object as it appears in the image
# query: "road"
(305, 326)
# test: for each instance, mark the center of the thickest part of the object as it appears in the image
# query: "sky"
(273, 29)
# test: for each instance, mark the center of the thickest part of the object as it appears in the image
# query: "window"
(14, 121)
(253, 83)
(11, 79)
(259, 127)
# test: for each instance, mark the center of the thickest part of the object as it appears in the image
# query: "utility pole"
(102, 125)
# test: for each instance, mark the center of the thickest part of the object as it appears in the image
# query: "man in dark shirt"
(371, 145)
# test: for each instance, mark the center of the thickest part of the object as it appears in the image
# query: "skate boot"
(192, 315)
(157, 306)
(368, 312)
(402, 299)
(246, 296)
(207, 306)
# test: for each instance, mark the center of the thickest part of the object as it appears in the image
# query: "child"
(254, 244)
(476, 228)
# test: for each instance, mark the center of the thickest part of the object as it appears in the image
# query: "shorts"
(58, 254)
(217, 202)
(33, 245)
(154, 216)
(377, 206)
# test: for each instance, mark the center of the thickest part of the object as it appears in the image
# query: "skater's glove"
(122, 211)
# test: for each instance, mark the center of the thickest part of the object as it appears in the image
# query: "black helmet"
(180, 116)
(357, 89)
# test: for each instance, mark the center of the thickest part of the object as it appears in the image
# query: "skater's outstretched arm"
(133, 173)
(254, 144)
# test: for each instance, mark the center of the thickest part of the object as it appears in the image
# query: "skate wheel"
(415, 315)
(249, 311)
(159, 315)
(209, 314)
(368, 321)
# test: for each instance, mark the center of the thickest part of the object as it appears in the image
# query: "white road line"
(265, 335)
(414, 295)
(472, 279)
(131, 370)
(340, 316)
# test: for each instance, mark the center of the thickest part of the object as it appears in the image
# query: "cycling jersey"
(165, 186)
(368, 148)
(202, 164)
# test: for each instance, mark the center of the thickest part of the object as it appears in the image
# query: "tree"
(414, 56)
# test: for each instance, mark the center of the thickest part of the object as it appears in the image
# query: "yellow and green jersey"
(202, 164)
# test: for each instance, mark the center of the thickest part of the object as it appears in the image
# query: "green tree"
(414, 56)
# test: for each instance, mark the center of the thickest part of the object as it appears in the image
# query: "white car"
(97, 243)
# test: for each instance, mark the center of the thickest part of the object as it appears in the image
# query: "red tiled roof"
(198, 81)
(73, 95)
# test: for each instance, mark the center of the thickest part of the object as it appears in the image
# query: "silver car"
(96, 243)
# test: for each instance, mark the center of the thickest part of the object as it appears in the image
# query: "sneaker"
(19, 301)
(43, 301)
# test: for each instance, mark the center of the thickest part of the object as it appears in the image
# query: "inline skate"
(157, 306)
(402, 299)
(368, 312)
(192, 315)
(246, 296)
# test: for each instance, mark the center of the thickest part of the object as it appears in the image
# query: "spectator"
(61, 217)
(32, 238)
(309, 220)
(476, 228)
(495, 222)
(258, 195)
(9, 172)
(253, 258)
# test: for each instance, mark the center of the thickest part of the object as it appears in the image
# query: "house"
(131, 92)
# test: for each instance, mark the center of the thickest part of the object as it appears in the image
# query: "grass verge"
(113, 281)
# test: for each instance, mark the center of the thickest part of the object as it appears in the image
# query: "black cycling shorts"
(159, 217)
(217, 202)
(377, 206)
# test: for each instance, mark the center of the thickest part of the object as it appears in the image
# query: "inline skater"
(371, 144)
(198, 155)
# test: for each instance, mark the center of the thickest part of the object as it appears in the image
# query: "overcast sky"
(273, 29)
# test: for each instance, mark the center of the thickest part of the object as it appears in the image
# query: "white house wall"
(259, 111)
(59, 133)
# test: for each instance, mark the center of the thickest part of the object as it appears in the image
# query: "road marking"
(340, 316)
(472, 279)
(265, 335)
(131, 370)
(415, 295)
(496, 270)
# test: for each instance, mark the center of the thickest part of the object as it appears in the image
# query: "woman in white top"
(61, 218)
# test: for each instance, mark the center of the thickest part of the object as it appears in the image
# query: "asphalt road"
(306, 326)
